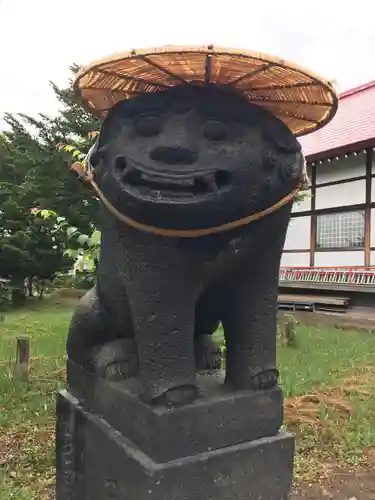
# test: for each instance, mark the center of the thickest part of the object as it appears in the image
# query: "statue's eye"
(148, 125)
(215, 130)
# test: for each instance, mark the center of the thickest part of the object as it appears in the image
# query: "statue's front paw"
(116, 360)
(265, 380)
(178, 396)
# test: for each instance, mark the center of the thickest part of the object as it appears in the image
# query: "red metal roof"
(353, 123)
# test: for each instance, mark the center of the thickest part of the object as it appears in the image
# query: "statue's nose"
(173, 155)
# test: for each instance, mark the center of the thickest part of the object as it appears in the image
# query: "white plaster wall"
(349, 193)
(339, 258)
(343, 168)
(298, 235)
(301, 259)
(372, 259)
(373, 189)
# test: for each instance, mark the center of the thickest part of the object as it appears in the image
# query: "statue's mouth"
(184, 184)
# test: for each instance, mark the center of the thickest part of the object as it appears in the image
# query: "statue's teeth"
(130, 171)
(211, 182)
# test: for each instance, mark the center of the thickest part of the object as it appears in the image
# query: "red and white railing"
(329, 275)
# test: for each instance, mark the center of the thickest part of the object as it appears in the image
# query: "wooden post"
(368, 207)
(313, 216)
(21, 367)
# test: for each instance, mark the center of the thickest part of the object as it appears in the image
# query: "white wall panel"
(340, 258)
(349, 193)
(344, 168)
(372, 259)
(373, 189)
(301, 259)
(298, 235)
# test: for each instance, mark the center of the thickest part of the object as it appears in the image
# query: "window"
(343, 230)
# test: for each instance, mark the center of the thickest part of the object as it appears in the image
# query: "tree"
(35, 174)
(49, 181)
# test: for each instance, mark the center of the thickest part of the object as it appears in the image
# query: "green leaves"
(70, 231)
(88, 249)
(76, 154)
(82, 248)
(73, 253)
(44, 214)
(82, 239)
(95, 239)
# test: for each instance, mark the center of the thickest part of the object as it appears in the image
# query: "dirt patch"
(341, 485)
(307, 409)
(26, 457)
(63, 294)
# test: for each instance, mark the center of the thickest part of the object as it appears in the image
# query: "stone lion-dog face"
(194, 157)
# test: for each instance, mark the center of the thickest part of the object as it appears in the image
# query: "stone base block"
(97, 462)
(220, 417)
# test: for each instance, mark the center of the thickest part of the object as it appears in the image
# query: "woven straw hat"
(301, 99)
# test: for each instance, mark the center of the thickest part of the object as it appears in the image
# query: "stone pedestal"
(225, 446)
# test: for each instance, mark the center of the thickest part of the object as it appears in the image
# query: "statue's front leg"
(250, 312)
(163, 316)
(249, 321)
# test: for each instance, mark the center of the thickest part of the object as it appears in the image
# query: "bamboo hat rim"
(302, 99)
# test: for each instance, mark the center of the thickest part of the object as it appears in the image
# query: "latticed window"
(341, 230)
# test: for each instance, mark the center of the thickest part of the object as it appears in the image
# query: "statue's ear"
(280, 136)
(305, 181)
(93, 157)
(97, 151)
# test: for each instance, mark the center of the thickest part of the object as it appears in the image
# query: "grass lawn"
(328, 380)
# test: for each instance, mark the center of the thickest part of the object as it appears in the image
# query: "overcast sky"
(39, 39)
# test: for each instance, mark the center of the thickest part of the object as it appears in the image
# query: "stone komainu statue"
(187, 176)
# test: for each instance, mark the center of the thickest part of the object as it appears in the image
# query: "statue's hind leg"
(97, 343)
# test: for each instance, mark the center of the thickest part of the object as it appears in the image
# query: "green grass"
(323, 357)
(321, 363)
(27, 409)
